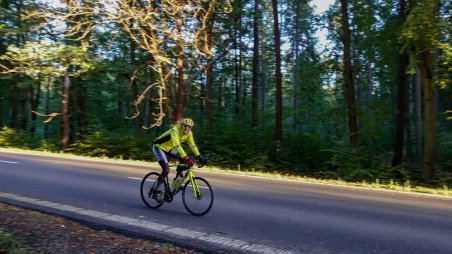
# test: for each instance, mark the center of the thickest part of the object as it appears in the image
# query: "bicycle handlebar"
(201, 162)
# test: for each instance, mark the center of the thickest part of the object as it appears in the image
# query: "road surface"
(249, 215)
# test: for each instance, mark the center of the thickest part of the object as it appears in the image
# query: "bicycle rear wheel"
(199, 202)
(147, 188)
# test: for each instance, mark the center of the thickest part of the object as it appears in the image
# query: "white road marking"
(152, 226)
(12, 162)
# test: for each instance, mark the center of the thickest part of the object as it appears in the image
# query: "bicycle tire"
(147, 184)
(200, 206)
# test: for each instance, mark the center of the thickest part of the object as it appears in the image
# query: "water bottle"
(177, 181)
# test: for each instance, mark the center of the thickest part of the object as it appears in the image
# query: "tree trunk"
(238, 62)
(134, 84)
(278, 77)
(348, 78)
(15, 106)
(424, 59)
(23, 109)
(426, 71)
(148, 100)
(209, 78)
(65, 112)
(34, 103)
(237, 81)
(264, 66)
(180, 97)
(147, 111)
(418, 111)
(80, 95)
(255, 85)
(397, 158)
(47, 109)
(169, 92)
(296, 68)
(1, 114)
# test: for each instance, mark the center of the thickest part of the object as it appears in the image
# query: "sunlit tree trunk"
(133, 62)
(209, 78)
(169, 93)
(180, 97)
(148, 98)
(422, 37)
(65, 111)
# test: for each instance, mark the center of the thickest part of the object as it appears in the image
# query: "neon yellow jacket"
(173, 139)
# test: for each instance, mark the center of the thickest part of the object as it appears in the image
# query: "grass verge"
(406, 186)
(8, 244)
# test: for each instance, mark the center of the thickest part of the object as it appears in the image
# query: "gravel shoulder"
(37, 232)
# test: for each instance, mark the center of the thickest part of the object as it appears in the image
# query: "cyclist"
(169, 144)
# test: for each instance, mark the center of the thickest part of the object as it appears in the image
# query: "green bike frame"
(197, 202)
(191, 176)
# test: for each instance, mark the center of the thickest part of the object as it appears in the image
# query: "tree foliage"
(39, 60)
(124, 64)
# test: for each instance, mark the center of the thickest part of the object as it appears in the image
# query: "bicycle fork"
(196, 192)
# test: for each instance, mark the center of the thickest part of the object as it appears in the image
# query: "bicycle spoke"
(198, 201)
(147, 189)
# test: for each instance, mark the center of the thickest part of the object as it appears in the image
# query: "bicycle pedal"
(157, 197)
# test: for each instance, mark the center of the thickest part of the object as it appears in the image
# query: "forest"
(360, 92)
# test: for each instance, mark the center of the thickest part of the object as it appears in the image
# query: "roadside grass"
(406, 186)
(8, 244)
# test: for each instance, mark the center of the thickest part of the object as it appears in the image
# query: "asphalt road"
(249, 214)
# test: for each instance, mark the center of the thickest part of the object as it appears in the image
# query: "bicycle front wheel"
(148, 186)
(197, 200)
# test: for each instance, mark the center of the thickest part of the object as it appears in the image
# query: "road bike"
(197, 194)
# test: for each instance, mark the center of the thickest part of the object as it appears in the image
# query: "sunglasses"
(187, 126)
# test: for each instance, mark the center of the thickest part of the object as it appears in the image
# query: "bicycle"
(197, 194)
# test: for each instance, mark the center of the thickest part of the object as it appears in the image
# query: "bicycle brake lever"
(202, 163)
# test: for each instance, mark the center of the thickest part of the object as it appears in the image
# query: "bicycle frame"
(198, 202)
(191, 177)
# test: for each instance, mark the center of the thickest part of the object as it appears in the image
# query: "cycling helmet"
(188, 121)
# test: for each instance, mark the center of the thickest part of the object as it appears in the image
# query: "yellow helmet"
(188, 121)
